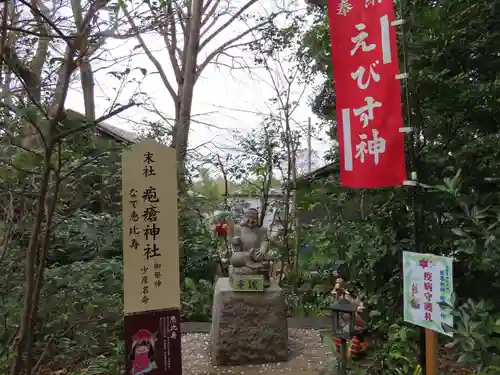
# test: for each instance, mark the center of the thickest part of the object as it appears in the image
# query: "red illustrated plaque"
(153, 343)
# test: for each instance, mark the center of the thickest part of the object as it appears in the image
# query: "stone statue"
(250, 247)
(249, 324)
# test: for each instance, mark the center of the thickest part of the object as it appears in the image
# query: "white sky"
(217, 90)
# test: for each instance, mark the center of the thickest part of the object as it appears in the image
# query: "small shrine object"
(357, 344)
(343, 319)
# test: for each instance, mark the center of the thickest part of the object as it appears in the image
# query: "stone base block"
(248, 327)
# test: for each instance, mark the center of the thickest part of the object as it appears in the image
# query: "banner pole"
(428, 353)
(418, 227)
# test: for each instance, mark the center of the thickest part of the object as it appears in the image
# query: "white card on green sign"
(428, 284)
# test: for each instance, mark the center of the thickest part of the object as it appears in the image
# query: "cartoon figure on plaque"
(142, 354)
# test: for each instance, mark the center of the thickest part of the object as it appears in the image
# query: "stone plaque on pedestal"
(247, 283)
(248, 328)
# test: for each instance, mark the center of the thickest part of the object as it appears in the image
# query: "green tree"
(209, 189)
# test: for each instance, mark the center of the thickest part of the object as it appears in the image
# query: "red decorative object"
(143, 335)
(221, 229)
(368, 93)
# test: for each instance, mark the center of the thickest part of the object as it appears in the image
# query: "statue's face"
(252, 219)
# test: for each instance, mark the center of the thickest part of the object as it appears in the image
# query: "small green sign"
(248, 283)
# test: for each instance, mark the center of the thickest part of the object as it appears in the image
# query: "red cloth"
(141, 362)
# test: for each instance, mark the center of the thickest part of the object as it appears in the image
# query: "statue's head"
(250, 218)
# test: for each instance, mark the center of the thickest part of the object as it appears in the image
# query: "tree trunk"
(87, 80)
(51, 207)
(187, 93)
(25, 326)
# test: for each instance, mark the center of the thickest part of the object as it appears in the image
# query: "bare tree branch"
(172, 42)
(227, 24)
(182, 26)
(229, 44)
(150, 55)
(46, 19)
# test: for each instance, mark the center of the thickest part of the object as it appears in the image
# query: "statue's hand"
(257, 254)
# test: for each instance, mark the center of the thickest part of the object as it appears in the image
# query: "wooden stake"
(431, 352)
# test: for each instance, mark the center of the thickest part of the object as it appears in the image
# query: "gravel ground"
(308, 355)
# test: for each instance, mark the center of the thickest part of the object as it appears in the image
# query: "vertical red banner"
(369, 110)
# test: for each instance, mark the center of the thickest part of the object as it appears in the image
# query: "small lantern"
(344, 318)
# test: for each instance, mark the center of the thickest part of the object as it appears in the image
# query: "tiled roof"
(117, 133)
(111, 130)
(323, 172)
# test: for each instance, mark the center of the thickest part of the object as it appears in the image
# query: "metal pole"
(416, 195)
(343, 357)
(418, 226)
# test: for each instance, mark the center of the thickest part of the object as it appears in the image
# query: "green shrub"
(196, 299)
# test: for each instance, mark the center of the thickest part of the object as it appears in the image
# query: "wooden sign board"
(248, 283)
(150, 233)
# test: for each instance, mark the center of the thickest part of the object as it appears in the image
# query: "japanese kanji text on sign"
(368, 94)
(428, 284)
(151, 255)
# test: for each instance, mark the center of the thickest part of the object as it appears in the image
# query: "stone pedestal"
(248, 327)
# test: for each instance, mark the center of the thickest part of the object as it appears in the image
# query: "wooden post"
(431, 355)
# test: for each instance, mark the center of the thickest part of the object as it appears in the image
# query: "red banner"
(369, 111)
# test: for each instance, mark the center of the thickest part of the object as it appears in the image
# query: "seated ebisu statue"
(250, 246)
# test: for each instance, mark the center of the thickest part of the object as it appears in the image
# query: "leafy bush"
(196, 299)
(307, 294)
(398, 351)
(110, 364)
(198, 243)
(80, 314)
(84, 236)
(83, 309)
(477, 336)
